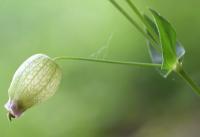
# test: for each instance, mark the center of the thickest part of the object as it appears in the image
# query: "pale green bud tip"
(36, 80)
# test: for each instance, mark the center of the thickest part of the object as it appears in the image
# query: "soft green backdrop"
(99, 100)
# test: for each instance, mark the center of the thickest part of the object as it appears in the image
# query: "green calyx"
(36, 80)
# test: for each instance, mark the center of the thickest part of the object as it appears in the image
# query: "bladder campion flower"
(35, 81)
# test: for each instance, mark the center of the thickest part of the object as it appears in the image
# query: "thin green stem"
(129, 18)
(141, 17)
(188, 80)
(135, 9)
(139, 64)
(134, 23)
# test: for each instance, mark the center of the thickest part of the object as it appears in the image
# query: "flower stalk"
(138, 64)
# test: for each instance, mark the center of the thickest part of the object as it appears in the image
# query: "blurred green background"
(99, 100)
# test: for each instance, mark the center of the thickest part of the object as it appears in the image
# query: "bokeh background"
(99, 100)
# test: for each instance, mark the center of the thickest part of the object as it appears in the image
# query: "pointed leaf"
(158, 57)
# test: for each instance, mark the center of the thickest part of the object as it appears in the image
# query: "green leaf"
(172, 50)
(167, 36)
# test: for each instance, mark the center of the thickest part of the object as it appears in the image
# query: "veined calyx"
(36, 80)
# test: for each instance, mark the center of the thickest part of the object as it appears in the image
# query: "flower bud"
(35, 81)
